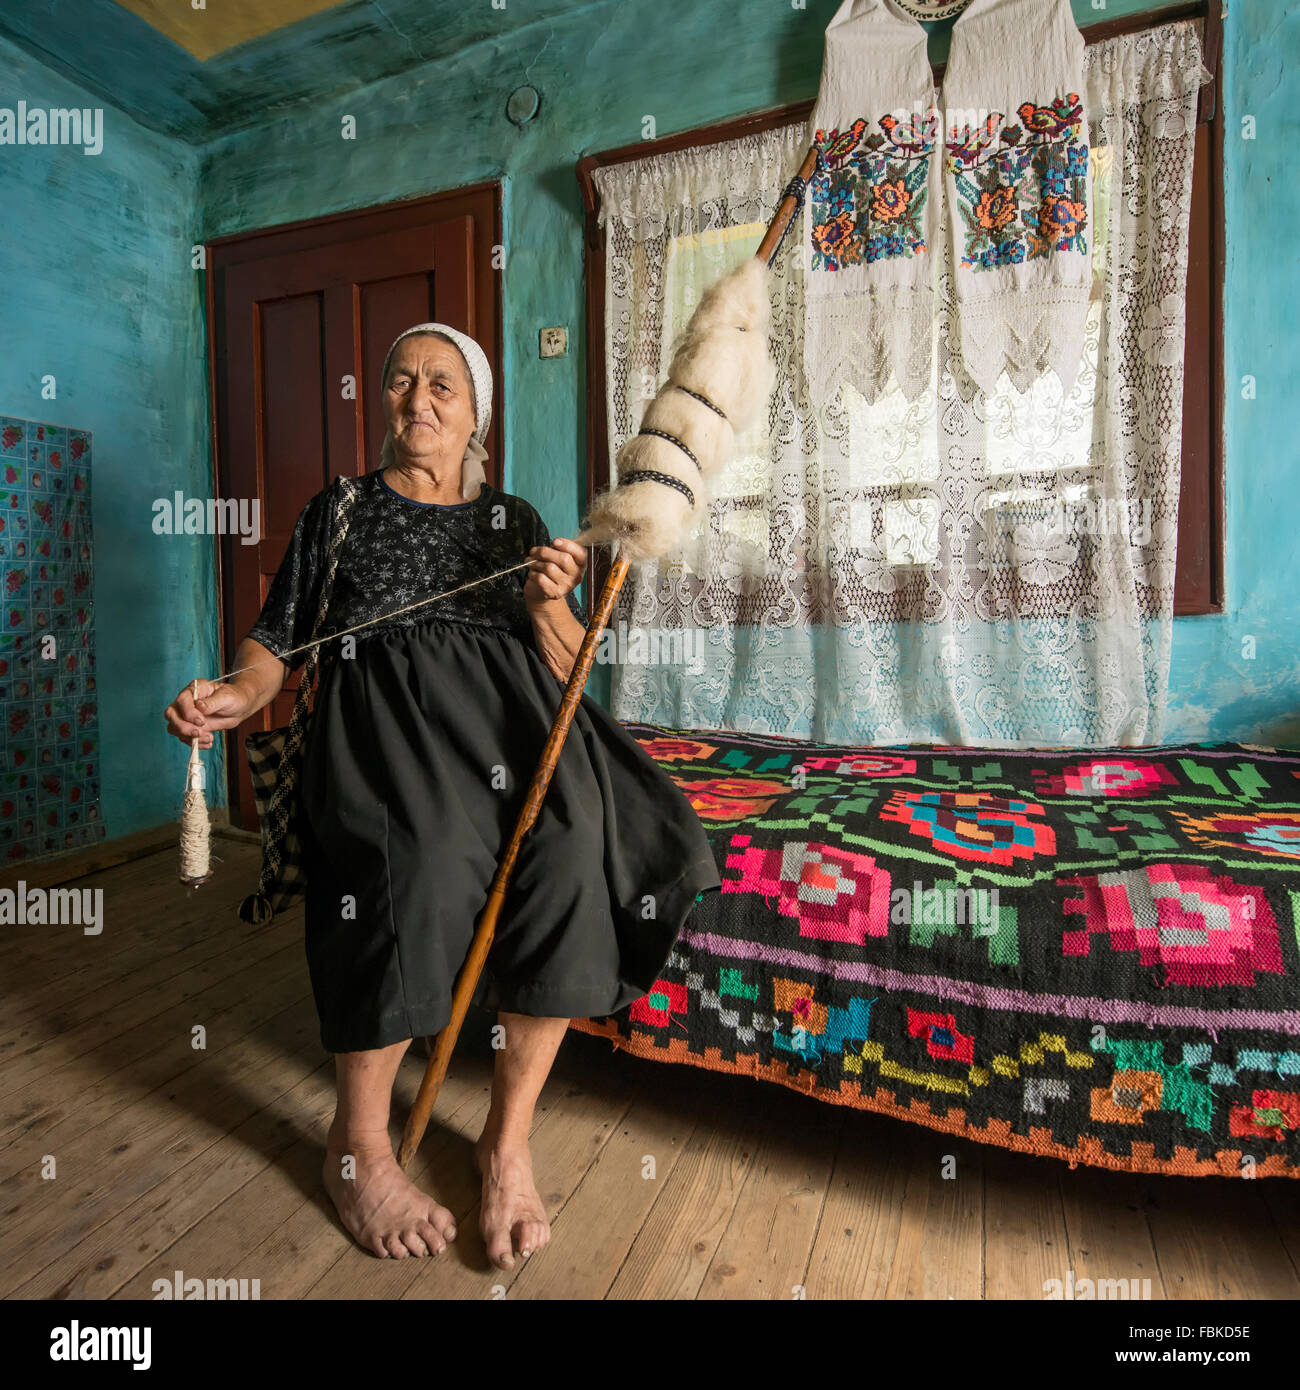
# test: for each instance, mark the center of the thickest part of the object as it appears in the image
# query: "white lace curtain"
(958, 569)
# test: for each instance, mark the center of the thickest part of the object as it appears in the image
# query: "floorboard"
(128, 1153)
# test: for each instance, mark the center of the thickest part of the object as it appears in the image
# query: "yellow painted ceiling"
(224, 23)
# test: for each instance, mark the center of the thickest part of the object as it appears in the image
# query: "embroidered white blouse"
(871, 217)
(1009, 183)
(1018, 189)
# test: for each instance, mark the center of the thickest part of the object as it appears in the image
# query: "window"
(905, 534)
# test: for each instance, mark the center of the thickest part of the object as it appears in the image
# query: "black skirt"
(416, 762)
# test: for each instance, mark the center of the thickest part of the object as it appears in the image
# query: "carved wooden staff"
(716, 384)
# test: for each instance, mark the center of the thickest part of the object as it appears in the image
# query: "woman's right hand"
(214, 706)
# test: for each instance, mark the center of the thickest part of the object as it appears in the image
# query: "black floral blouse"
(399, 551)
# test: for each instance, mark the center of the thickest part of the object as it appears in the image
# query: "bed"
(1091, 956)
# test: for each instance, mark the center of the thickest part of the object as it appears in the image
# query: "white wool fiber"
(722, 354)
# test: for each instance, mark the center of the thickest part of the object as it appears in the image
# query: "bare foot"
(511, 1215)
(382, 1208)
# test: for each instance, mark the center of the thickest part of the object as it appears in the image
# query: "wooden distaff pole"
(790, 204)
(467, 980)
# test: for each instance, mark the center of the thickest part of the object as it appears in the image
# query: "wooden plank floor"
(164, 1097)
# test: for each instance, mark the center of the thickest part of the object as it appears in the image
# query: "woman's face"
(429, 401)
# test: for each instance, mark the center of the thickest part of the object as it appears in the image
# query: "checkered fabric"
(275, 760)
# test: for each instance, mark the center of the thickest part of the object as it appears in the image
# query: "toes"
(395, 1247)
(414, 1242)
(500, 1253)
(442, 1221)
(431, 1236)
(530, 1236)
(377, 1247)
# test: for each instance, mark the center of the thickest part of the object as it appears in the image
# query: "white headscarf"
(472, 476)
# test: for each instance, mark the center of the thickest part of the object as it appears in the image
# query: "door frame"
(483, 203)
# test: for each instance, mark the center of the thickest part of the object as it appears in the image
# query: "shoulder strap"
(345, 496)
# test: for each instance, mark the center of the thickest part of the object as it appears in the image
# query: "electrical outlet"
(555, 342)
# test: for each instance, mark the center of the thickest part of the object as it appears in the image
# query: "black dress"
(424, 736)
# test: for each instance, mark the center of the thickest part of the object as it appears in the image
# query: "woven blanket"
(1092, 956)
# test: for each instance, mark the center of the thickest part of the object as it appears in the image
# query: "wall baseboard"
(48, 873)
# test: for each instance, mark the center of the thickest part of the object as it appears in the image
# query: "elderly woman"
(420, 748)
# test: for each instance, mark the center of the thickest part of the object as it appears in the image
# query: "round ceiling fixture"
(523, 104)
(932, 9)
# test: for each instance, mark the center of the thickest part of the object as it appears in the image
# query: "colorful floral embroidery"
(863, 765)
(1022, 189)
(1204, 929)
(730, 798)
(1272, 833)
(667, 750)
(974, 825)
(1269, 1116)
(942, 1040)
(1105, 777)
(869, 193)
(833, 893)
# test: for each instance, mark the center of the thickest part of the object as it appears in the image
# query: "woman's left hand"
(557, 570)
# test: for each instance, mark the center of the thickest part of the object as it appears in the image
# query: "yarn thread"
(196, 864)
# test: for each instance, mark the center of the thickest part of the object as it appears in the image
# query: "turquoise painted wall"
(136, 369)
(1217, 692)
(96, 289)
(601, 72)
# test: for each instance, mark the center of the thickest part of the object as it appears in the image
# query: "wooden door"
(300, 319)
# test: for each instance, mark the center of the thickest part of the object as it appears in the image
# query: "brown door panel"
(301, 320)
